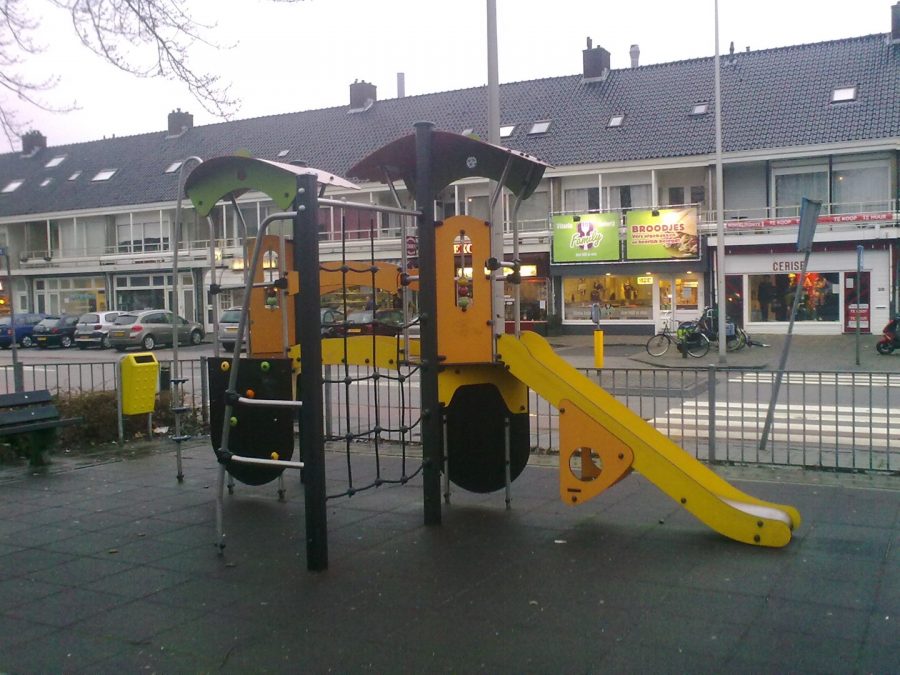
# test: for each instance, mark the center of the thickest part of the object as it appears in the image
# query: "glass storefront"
(533, 299)
(772, 296)
(75, 295)
(619, 297)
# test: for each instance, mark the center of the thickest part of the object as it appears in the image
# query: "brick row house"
(89, 225)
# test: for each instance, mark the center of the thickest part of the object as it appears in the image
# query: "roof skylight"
(539, 127)
(506, 130)
(616, 121)
(75, 175)
(56, 161)
(842, 94)
(173, 167)
(101, 176)
(700, 108)
(46, 182)
(12, 185)
(283, 153)
(468, 131)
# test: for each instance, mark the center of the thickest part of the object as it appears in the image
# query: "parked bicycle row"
(695, 337)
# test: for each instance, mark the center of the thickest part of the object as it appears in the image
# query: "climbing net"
(370, 405)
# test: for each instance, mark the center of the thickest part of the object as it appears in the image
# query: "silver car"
(150, 328)
(93, 329)
(228, 329)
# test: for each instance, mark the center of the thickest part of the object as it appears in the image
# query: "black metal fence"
(828, 419)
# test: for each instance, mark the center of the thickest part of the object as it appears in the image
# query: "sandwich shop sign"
(589, 237)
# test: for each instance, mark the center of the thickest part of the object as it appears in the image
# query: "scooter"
(890, 338)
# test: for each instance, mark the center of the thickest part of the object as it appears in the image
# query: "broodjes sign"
(662, 234)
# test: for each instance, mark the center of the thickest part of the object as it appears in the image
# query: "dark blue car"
(25, 323)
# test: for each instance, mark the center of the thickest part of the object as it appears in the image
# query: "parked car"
(332, 322)
(377, 322)
(152, 327)
(228, 329)
(56, 331)
(24, 329)
(93, 329)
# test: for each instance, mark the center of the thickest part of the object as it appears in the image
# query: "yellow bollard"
(598, 349)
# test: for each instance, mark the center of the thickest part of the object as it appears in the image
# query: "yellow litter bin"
(598, 349)
(139, 375)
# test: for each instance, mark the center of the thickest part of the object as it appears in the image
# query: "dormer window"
(539, 127)
(13, 185)
(56, 161)
(616, 121)
(104, 175)
(507, 130)
(700, 108)
(172, 168)
(843, 94)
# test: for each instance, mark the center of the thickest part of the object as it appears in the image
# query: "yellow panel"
(361, 350)
(580, 435)
(464, 335)
(265, 322)
(514, 393)
(710, 498)
(331, 278)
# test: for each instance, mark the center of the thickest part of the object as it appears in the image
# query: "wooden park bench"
(30, 420)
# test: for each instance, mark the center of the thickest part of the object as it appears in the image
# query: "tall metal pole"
(498, 312)
(432, 423)
(720, 210)
(308, 331)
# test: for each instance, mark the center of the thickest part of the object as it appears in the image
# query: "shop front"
(629, 272)
(834, 297)
(534, 294)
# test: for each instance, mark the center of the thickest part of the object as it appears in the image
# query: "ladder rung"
(270, 402)
(178, 380)
(180, 409)
(181, 439)
(266, 462)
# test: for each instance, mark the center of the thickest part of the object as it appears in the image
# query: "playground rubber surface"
(111, 567)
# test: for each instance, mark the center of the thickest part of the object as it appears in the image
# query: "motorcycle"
(890, 338)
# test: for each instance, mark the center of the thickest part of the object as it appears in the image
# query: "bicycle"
(735, 337)
(687, 336)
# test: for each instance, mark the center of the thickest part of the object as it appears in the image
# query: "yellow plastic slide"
(711, 499)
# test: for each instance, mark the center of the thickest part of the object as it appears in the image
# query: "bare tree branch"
(145, 38)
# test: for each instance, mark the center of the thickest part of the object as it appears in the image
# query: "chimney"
(596, 62)
(179, 122)
(32, 143)
(362, 96)
(401, 85)
(895, 24)
(635, 53)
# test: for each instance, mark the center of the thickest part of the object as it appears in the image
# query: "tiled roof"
(775, 98)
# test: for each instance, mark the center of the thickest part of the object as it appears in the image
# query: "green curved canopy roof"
(233, 175)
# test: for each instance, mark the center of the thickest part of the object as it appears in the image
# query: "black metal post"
(431, 417)
(308, 332)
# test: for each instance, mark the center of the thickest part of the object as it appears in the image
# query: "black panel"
(475, 439)
(259, 431)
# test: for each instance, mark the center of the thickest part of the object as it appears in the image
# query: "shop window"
(772, 296)
(619, 297)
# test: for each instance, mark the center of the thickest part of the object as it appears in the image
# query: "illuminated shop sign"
(662, 234)
(589, 237)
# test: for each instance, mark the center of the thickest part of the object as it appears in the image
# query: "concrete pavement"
(109, 567)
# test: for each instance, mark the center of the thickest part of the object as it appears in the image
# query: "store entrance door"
(680, 297)
(856, 302)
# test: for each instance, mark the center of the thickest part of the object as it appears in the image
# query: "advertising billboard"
(588, 237)
(662, 234)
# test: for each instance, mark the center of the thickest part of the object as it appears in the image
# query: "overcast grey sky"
(290, 57)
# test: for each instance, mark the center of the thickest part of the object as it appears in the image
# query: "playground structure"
(474, 377)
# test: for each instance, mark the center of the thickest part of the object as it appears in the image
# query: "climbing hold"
(264, 366)
(225, 366)
(275, 456)
(233, 421)
(250, 393)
